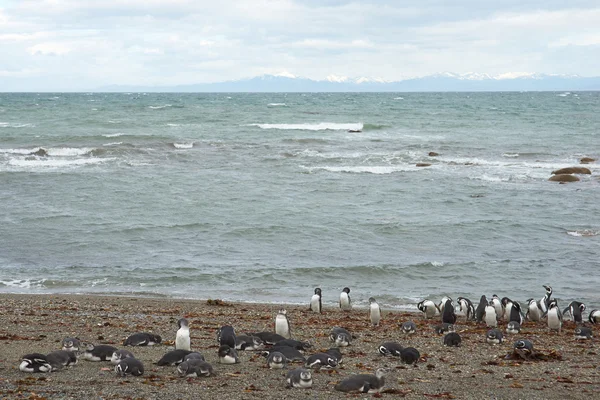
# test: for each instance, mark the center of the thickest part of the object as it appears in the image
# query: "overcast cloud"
(78, 45)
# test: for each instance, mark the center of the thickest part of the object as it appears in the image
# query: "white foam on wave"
(15, 125)
(323, 126)
(373, 169)
(160, 107)
(112, 144)
(52, 163)
(565, 94)
(510, 155)
(584, 233)
(22, 283)
(183, 145)
(113, 134)
(277, 105)
(173, 125)
(51, 151)
(398, 98)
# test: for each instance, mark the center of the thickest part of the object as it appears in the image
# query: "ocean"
(263, 197)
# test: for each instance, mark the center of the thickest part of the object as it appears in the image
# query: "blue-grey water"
(263, 197)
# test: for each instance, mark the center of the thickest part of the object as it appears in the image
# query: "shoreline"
(475, 370)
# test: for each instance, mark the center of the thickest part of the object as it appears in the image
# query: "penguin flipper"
(567, 310)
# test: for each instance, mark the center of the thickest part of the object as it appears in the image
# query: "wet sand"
(475, 370)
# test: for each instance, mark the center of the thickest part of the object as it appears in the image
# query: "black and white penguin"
(554, 316)
(583, 333)
(341, 337)
(345, 302)
(507, 306)
(268, 337)
(119, 355)
(428, 308)
(248, 342)
(494, 336)
(390, 349)
(489, 316)
(363, 383)
(282, 324)
(465, 308)
(452, 339)
(409, 327)
(276, 360)
(315, 302)
(410, 355)
(515, 313)
(130, 366)
(321, 360)
(335, 351)
(523, 348)
(576, 309)
(173, 357)
(448, 315)
(61, 358)
(513, 327)
(299, 378)
(35, 362)
(498, 306)
(102, 352)
(142, 339)
(374, 312)
(594, 317)
(194, 355)
(296, 344)
(71, 344)
(480, 311)
(544, 302)
(226, 335)
(182, 338)
(533, 311)
(228, 355)
(291, 354)
(195, 368)
(442, 303)
(443, 328)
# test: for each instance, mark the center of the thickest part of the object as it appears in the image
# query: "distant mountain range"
(443, 82)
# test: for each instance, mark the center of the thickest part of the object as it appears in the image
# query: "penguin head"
(530, 301)
(523, 345)
(346, 289)
(224, 350)
(372, 300)
(318, 291)
(183, 323)
(505, 301)
(305, 375)
(283, 311)
(183, 368)
(121, 369)
(421, 306)
(381, 372)
(553, 304)
(548, 289)
(89, 347)
(581, 307)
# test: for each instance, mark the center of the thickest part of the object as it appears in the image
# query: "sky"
(85, 44)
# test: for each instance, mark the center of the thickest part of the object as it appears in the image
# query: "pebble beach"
(475, 370)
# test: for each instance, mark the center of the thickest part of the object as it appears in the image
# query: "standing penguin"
(282, 324)
(489, 316)
(428, 308)
(466, 308)
(182, 338)
(576, 309)
(448, 316)
(507, 305)
(533, 311)
(374, 312)
(515, 313)
(315, 302)
(226, 335)
(345, 302)
(545, 301)
(554, 316)
(498, 305)
(480, 312)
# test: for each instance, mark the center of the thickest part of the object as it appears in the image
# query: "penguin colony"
(281, 350)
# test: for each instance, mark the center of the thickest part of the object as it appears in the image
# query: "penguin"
(374, 312)
(291, 354)
(507, 305)
(296, 344)
(35, 362)
(130, 366)
(594, 316)
(448, 315)
(583, 333)
(299, 378)
(515, 313)
(173, 357)
(182, 338)
(489, 316)
(282, 325)
(498, 307)
(513, 327)
(443, 303)
(545, 301)
(248, 342)
(341, 337)
(345, 302)
(71, 344)
(228, 355)
(494, 336)
(142, 339)
(554, 316)
(335, 351)
(466, 308)
(268, 337)
(194, 355)
(195, 368)
(276, 360)
(101, 352)
(390, 349)
(315, 302)
(61, 358)
(321, 360)
(409, 327)
(428, 308)
(479, 313)
(363, 383)
(523, 348)
(410, 355)
(120, 355)
(533, 311)
(443, 328)
(576, 309)
(226, 335)
(452, 339)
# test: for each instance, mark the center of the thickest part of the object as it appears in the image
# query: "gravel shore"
(475, 370)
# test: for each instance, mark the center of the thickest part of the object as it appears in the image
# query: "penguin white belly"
(90, 357)
(535, 314)
(305, 384)
(182, 340)
(282, 327)
(314, 303)
(345, 301)
(228, 359)
(375, 314)
(490, 317)
(553, 320)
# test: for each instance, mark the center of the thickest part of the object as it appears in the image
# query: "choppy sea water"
(263, 197)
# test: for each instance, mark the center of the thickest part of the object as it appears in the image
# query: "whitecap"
(68, 151)
(374, 169)
(183, 145)
(160, 107)
(174, 125)
(51, 163)
(510, 155)
(15, 125)
(584, 233)
(313, 127)
(112, 144)
(22, 283)
(277, 105)
(398, 98)
(112, 134)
